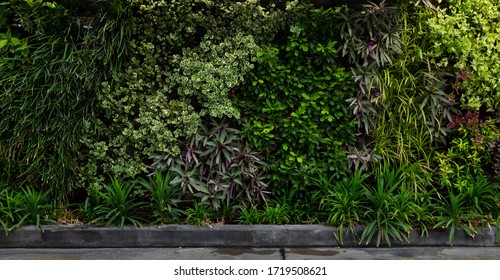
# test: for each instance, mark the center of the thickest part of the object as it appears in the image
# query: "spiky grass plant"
(47, 98)
(119, 206)
(164, 197)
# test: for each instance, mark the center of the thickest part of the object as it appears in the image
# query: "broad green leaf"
(15, 41)
(3, 43)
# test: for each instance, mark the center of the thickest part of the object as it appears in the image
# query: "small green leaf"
(3, 43)
(15, 41)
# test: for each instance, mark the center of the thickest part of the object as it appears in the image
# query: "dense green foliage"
(465, 36)
(184, 58)
(50, 70)
(293, 104)
(382, 115)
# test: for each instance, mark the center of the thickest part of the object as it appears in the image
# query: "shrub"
(293, 103)
(163, 197)
(218, 167)
(24, 206)
(467, 156)
(118, 205)
(464, 38)
(345, 203)
(184, 59)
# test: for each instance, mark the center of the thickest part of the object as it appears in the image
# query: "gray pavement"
(395, 253)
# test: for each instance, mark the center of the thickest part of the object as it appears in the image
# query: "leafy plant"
(218, 167)
(454, 213)
(371, 39)
(249, 216)
(467, 155)
(461, 35)
(390, 208)
(199, 213)
(164, 197)
(175, 75)
(293, 102)
(87, 210)
(118, 205)
(58, 56)
(405, 99)
(345, 203)
(483, 195)
(228, 212)
(364, 158)
(24, 206)
(10, 204)
(276, 212)
(35, 208)
(5, 212)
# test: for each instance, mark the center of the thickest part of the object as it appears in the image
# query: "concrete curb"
(72, 236)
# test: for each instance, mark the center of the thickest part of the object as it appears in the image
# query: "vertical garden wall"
(341, 112)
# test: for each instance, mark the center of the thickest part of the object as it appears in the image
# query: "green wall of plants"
(122, 112)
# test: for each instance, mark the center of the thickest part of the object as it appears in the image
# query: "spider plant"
(454, 213)
(163, 196)
(389, 209)
(345, 203)
(119, 205)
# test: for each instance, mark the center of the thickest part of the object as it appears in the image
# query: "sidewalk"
(401, 253)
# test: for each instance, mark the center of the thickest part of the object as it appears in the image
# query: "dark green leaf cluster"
(218, 167)
(293, 103)
(55, 59)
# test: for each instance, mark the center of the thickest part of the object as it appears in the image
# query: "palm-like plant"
(276, 212)
(35, 207)
(118, 205)
(164, 196)
(26, 206)
(344, 202)
(249, 215)
(390, 208)
(454, 213)
(199, 214)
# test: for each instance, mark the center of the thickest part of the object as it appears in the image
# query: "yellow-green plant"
(464, 37)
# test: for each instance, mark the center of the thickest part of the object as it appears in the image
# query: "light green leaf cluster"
(466, 34)
(210, 71)
(185, 57)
